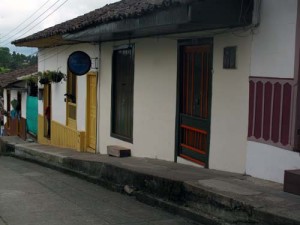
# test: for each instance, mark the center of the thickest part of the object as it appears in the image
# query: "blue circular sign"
(79, 63)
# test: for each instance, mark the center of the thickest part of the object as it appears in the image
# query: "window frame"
(113, 133)
(71, 87)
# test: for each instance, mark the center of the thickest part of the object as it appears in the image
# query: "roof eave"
(199, 16)
(189, 17)
(46, 42)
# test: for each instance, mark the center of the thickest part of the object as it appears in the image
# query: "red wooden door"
(195, 101)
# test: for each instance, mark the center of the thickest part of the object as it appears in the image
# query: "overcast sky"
(15, 12)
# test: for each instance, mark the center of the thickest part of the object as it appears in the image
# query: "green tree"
(5, 57)
(14, 61)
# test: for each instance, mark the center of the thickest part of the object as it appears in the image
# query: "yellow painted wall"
(61, 136)
(41, 138)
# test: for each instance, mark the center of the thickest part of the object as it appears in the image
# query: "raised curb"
(180, 197)
(7, 144)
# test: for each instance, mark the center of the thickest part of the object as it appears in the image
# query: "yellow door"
(91, 112)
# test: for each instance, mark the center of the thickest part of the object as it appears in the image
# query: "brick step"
(292, 181)
(118, 151)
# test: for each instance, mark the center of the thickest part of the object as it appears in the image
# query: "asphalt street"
(34, 195)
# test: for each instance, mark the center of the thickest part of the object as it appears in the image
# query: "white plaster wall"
(58, 105)
(273, 55)
(229, 117)
(155, 101)
(13, 95)
(104, 108)
(104, 104)
(269, 162)
(4, 104)
(23, 105)
(81, 102)
(187, 162)
(54, 59)
(40, 107)
(273, 48)
(154, 98)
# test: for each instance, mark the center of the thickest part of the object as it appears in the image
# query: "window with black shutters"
(122, 93)
(71, 100)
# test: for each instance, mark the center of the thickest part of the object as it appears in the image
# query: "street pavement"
(35, 195)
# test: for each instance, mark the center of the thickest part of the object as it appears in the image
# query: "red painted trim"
(276, 113)
(270, 111)
(193, 149)
(193, 129)
(191, 159)
(270, 142)
(251, 108)
(271, 79)
(258, 110)
(267, 111)
(286, 112)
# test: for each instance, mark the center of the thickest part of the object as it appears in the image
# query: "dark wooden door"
(122, 93)
(195, 102)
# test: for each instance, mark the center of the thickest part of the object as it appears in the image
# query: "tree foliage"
(11, 61)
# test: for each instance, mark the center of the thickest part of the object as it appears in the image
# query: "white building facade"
(223, 98)
(272, 146)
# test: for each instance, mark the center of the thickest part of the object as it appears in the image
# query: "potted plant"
(44, 78)
(32, 80)
(57, 76)
(50, 76)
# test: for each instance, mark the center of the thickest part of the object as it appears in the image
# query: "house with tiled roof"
(207, 83)
(20, 102)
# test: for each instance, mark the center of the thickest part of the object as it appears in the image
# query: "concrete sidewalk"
(207, 196)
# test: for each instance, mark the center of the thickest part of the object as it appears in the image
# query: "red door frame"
(183, 44)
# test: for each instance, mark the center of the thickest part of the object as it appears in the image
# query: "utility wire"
(55, 54)
(14, 29)
(33, 26)
(31, 22)
(44, 18)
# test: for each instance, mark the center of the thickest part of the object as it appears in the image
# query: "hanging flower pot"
(50, 76)
(44, 80)
(44, 77)
(57, 76)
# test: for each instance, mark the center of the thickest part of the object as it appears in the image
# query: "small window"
(71, 87)
(71, 100)
(229, 58)
(122, 93)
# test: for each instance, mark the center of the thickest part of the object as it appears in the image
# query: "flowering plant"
(48, 76)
